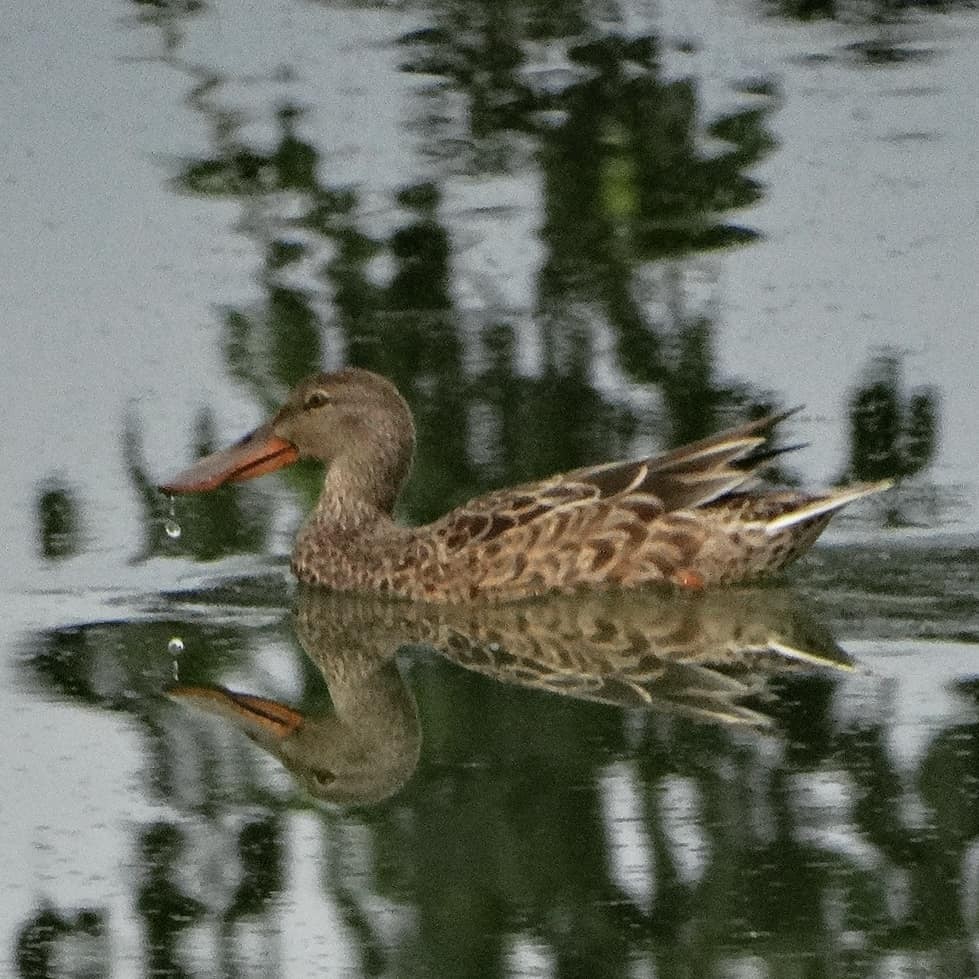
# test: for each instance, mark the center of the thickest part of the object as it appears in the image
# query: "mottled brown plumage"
(708, 656)
(684, 517)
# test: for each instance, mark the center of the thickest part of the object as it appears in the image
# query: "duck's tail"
(826, 504)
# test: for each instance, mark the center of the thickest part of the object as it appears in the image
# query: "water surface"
(569, 233)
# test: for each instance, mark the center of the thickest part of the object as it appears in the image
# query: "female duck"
(683, 517)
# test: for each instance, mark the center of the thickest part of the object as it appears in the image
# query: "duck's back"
(623, 542)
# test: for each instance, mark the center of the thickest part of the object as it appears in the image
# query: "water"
(567, 238)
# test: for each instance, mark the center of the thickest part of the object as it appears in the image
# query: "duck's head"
(353, 420)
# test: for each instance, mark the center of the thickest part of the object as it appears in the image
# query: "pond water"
(569, 233)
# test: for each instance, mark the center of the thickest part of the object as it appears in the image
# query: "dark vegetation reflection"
(627, 195)
(491, 827)
(58, 520)
(489, 767)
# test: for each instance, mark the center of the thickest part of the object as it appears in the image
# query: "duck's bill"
(256, 454)
(260, 718)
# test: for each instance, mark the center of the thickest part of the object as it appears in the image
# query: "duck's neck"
(361, 487)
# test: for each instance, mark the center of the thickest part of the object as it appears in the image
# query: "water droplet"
(176, 646)
(171, 526)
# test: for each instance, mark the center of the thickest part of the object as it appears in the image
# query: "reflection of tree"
(504, 833)
(50, 938)
(427, 353)
(168, 17)
(932, 863)
(891, 434)
(878, 13)
(229, 521)
(58, 520)
(278, 343)
(550, 422)
(474, 48)
(122, 667)
(252, 903)
(508, 834)
(36, 941)
(626, 183)
(162, 904)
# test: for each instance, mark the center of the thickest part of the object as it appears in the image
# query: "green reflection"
(498, 830)
(164, 907)
(891, 433)
(880, 14)
(50, 938)
(625, 183)
(36, 943)
(493, 852)
(232, 520)
(59, 521)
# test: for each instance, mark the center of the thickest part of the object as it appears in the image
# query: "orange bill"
(258, 717)
(256, 454)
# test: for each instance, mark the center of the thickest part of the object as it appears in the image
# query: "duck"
(690, 518)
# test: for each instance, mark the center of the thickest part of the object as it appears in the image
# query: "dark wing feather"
(690, 476)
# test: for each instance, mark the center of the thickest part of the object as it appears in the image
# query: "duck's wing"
(686, 478)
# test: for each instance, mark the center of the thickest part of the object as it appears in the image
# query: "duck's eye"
(322, 777)
(317, 399)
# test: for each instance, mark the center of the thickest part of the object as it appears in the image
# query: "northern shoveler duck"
(685, 517)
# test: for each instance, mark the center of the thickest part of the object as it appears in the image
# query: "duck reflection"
(367, 746)
(707, 655)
